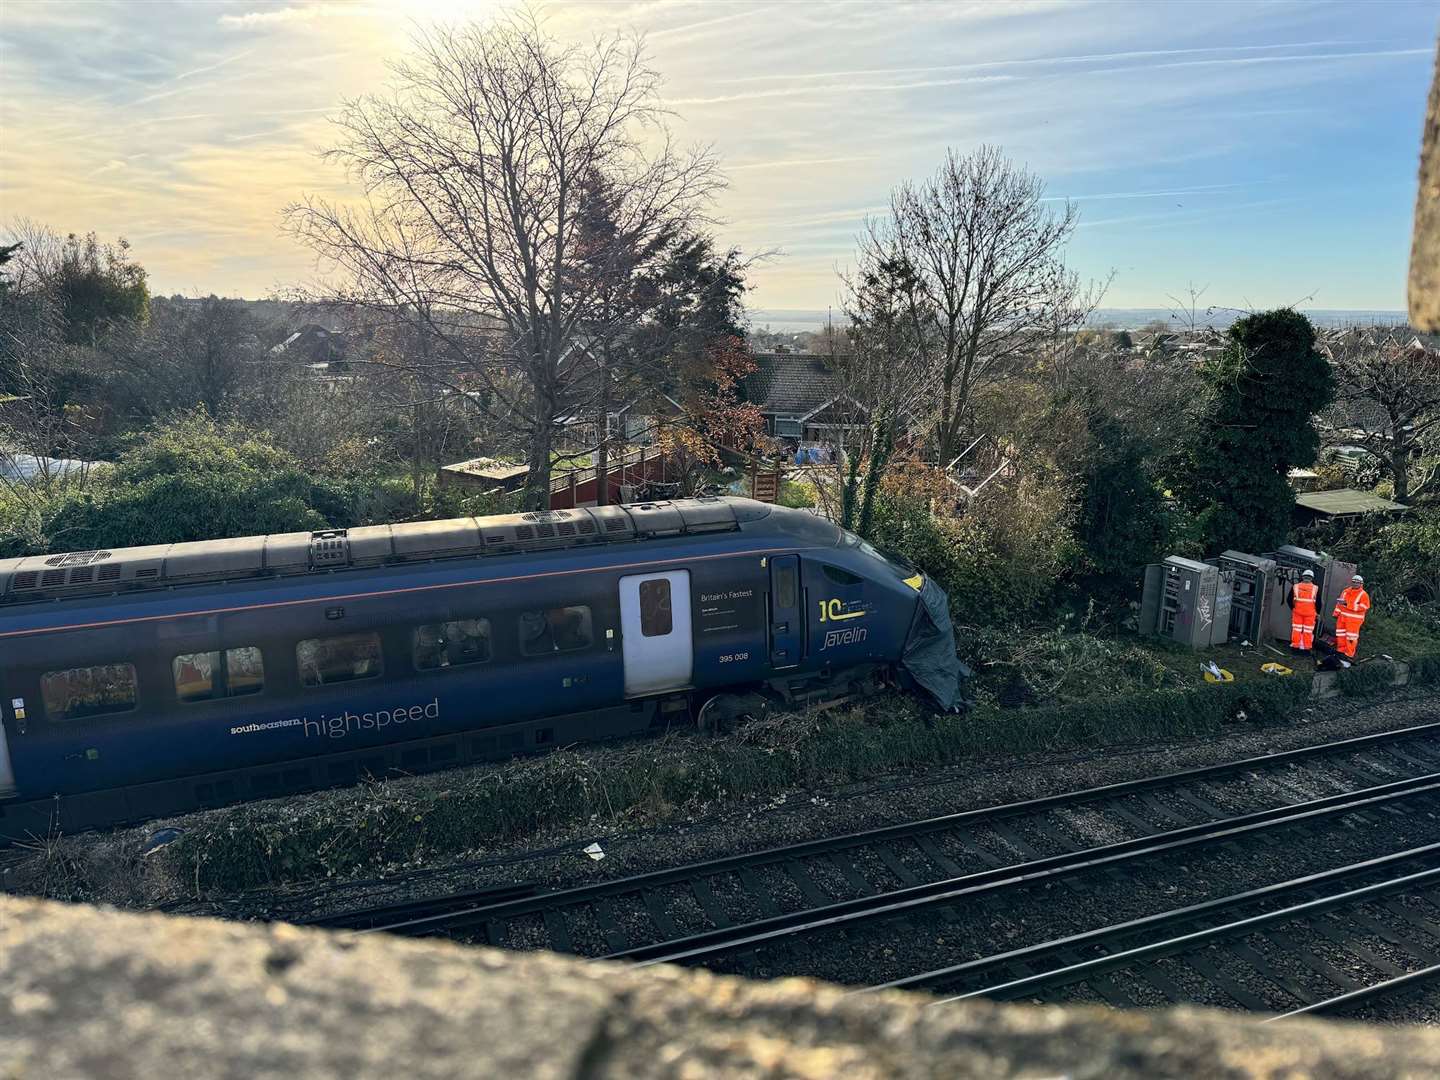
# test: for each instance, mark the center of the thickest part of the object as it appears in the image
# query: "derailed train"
(142, 682)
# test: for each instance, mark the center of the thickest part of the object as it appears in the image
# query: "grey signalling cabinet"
(1187, 601)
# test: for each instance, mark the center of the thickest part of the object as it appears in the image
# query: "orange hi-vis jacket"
(1303, 614)
(1303, 599)
(1354, 602)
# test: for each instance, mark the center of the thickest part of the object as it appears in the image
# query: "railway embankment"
(659, 802)
(92, 992)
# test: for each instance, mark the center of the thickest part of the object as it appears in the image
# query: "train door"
(7, 771)
(787, 630)
(656, 631)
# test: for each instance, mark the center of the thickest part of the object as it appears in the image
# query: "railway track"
(771, 912)
(1318, 944)
(877, 860)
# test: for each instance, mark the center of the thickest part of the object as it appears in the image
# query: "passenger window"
(552, 630)
(323, 661)
(219, 674)
(451, 644)
(655, 616)
(80, 693)
(785, 586)
(839, 576)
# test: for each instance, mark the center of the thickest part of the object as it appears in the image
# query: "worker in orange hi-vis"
(1303, 598)
(1350, 612)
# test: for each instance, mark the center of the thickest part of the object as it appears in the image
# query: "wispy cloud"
(1199, 189)
(671, 32)
(300, 13)
(1181, 214)
(1034, 61)
(855, 88)
(797, 163)
(212, 67)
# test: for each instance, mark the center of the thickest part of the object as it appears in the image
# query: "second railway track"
(1318, 944)
(612, 916)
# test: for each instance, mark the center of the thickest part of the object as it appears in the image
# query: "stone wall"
(96, 993)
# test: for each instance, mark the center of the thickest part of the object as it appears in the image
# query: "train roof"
(80, 573)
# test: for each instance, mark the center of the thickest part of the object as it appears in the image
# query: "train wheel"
(721, 713)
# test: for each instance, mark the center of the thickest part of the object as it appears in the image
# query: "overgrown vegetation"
(373, 826)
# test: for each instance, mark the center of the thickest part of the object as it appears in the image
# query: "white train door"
(7, 771)
(655, 631)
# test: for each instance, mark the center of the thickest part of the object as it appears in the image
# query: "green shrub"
(1366, 680)
(194, 479)
(1425, 669)
(999, 561)
(797, 494)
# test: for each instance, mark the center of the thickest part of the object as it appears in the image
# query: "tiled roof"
(790, 384)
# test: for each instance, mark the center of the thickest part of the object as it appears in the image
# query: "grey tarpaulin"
(929, 657)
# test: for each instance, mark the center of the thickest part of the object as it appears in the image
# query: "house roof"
(1343, 502)
(790, 384)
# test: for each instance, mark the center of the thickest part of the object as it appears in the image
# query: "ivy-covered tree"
(1266, 388)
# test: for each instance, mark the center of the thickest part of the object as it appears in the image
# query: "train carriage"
(141, 682)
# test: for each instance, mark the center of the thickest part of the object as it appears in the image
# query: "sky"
(1264, 152)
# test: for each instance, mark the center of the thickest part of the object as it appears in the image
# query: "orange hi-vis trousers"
(1303, 615)
(1350, 612)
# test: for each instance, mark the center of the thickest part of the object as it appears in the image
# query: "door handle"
(781, 628)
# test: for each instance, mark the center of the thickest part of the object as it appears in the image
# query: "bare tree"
(986, 254)
(476, 167)
(40, 435)
(1389, 384)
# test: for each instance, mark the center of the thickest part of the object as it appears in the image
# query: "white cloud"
(260, 20)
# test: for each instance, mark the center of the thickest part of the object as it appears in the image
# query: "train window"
(557, 629)
(89, 691)
(451, 644)
(224, 673)
(785, 586)
(323, 661)
(839, 576)
(655, 617)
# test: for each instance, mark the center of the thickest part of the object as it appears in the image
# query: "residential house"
(801, 399)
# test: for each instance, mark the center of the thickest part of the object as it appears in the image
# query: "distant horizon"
(802, 320)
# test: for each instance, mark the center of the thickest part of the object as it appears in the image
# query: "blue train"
(142, 682)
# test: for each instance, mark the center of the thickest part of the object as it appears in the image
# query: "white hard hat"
(1358, 580)
(1308, 573)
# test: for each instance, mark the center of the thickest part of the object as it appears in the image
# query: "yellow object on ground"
(1273, 668)
(1223, 676)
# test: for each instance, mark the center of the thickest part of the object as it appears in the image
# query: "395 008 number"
(734, 657)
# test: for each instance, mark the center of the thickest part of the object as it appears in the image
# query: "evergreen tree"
(1265, 390)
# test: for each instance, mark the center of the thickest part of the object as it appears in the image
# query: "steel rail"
(371, 918)
(1365, 993)
(1030, 954)
(471, 909)
(1186, 942)
(906, 901)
